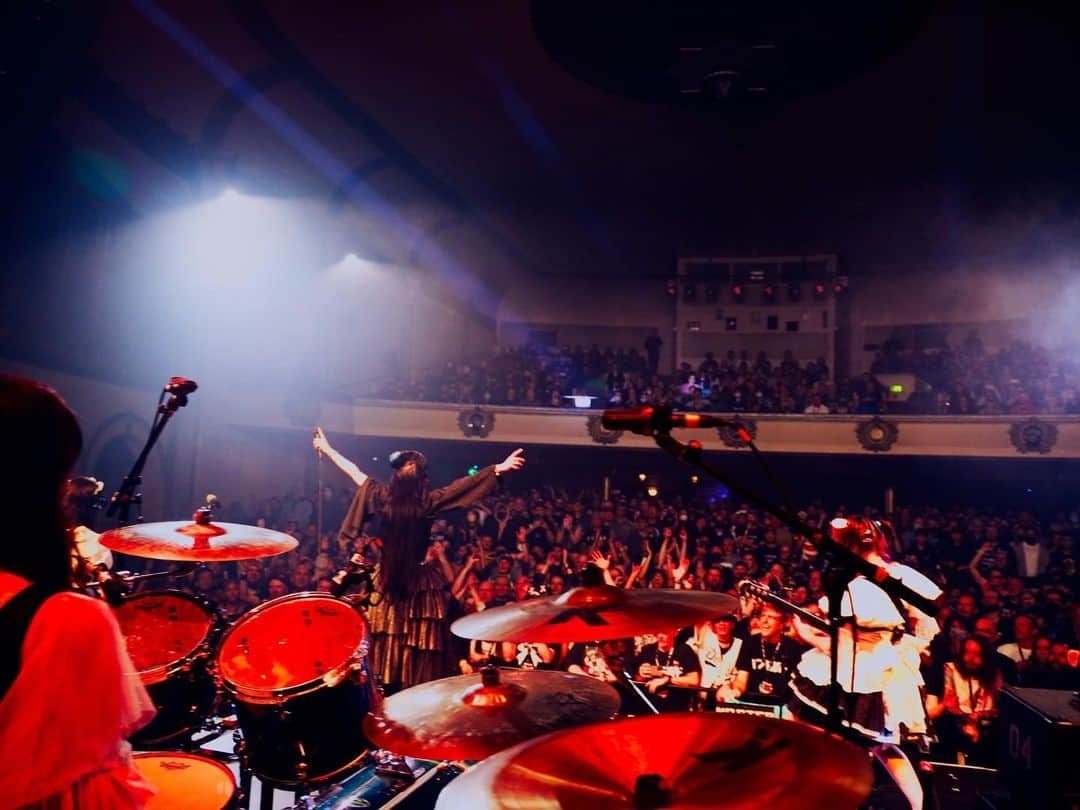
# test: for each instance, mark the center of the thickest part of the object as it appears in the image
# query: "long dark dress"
(411, 641)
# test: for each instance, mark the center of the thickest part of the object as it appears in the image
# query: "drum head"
(160, 629)
(186, 781)
(290, 642)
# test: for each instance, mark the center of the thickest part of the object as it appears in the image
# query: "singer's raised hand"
(514, 461)
(322, 445)
(320, 442)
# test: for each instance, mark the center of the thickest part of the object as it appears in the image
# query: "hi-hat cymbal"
(475, 716)
(594, 613)
(671, 761)
(197, 542)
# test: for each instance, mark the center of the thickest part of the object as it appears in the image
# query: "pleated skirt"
(410, 638)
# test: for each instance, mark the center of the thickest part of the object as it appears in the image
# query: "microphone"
(180, 386)
(647, 420)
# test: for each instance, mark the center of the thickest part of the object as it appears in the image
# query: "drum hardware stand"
(641, 693)
(116, 585)
(393, 766)
(177, 390)
(354, 573)
(845, 563)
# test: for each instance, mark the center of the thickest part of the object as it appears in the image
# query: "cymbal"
(198, 542)
(594, 613)
(474, 716)
(671, 761)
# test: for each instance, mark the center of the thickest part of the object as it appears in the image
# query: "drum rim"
(163, 672)
(331, 677)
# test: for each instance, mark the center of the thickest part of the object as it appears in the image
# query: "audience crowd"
(1018, 379)
(1010, 578)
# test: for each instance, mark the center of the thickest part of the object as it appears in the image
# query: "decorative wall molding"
(729, 435)
(476, 423)
(1033, 436)
(600, 434)
(877, 435)
(969, 437)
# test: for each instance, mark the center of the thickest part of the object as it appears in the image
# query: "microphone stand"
(845, 564)
(319, 500)
(126, 496)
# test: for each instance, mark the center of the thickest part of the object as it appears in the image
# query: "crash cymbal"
(474, 716)
(199, 542)
(671, 761)
(594, 613)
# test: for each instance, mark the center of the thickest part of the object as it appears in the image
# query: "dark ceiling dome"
(722, 53)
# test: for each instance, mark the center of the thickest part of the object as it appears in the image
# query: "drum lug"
(301, 762)
(332, 679)
(358, 674)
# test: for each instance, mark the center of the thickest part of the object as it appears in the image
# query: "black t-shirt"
(681, 660)
(770, 667)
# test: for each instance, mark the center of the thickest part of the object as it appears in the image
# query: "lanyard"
(973, 695)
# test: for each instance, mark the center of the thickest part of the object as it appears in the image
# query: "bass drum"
(186, 781)
(170, 636)
(372, 788)
(296, 668)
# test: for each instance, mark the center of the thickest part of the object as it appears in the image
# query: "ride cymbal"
(474, 716)
(671, 761)
(594, 613)
(197, 542)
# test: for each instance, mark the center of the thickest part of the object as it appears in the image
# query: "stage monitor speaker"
(1038, 742)
(958, 787)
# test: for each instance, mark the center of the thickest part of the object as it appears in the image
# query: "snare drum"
(169, 637)
(297, 670)
(186, 781)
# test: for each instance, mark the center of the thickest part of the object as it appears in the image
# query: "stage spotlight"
(694, 479)
(768, 294)
(641, 477)
(652, 490)
(819, 290)
(738, 293)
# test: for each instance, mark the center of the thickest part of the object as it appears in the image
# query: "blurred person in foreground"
(69, 695)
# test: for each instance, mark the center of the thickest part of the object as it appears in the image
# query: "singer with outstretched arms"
(411, 640)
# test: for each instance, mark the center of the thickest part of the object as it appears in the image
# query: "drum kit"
(309, 717)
